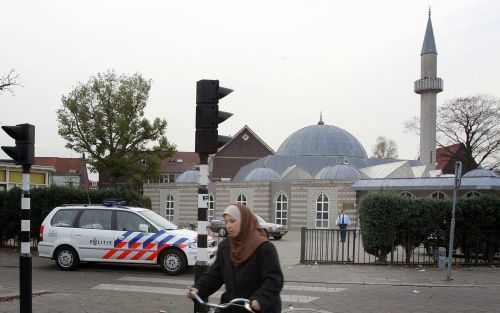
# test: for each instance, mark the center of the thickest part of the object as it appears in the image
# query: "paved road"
(322, 288)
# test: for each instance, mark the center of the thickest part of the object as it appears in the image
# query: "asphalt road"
(334, 288)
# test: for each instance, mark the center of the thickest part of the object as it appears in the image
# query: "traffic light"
(24, 151)
(208, 116)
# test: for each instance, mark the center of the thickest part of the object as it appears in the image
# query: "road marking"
(182, 292)
(187, 283)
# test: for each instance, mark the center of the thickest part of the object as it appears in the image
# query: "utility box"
(442, 257)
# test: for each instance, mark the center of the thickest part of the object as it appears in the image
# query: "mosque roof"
(295, 172)
(341, 171)
(480, 172)
(322, 140)
(262, 174)
(189, 176)
(432, 183)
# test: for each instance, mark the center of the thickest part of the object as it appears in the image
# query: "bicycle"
(241, 302)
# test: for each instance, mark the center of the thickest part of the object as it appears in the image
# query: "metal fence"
(327, 246)
(15, 243)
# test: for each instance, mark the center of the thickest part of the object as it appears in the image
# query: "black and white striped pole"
(201, 265)
(24, 154)
(207, 141)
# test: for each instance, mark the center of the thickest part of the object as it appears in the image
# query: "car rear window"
(64, 218)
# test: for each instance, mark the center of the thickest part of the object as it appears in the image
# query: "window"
(128, 221)
(169, 208)
(472, 194)
(242, 199)
(322, 211)
(64, 218)
(438, 195)
(211, 207)
(169, 178)
(407, 194)
(95, 219)
(281, 210)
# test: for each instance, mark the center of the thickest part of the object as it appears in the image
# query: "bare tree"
(385, 148)
(474, 122)
(8, 81)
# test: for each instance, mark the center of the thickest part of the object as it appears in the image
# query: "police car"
(114, 233)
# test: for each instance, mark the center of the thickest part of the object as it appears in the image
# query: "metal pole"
(458, 178)
(201, 265)
(452, 234)
(25, 256)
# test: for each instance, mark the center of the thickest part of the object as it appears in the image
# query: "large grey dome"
(322, 140)
(189, 176)
(341, 172)
(262, 174)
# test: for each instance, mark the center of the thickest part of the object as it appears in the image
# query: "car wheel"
(222, 232)
(266, 233)
(277, 237)
(173, 262)
(66, 258)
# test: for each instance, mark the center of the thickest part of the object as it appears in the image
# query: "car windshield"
(260, 219)
(160, 221)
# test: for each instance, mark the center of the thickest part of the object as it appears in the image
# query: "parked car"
(117, 234)
(277, 231)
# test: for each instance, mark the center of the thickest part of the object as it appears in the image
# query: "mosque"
(319, 170)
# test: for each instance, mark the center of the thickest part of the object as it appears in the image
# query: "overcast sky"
(286, 60)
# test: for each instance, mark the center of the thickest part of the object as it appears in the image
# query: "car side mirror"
(143, 228)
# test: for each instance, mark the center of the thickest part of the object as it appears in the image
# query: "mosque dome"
(189, 176)
(322, 140)
(341, 171)
(262, 174)
(480, 172)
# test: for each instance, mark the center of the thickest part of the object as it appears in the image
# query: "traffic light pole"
(201, 265)
(25, 256)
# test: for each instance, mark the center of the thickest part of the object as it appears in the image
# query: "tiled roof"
(63, 166)
(446, 154)
(179, 162)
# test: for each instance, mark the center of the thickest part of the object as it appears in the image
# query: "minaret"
(428, 87)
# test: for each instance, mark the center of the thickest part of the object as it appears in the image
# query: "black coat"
(259, 278)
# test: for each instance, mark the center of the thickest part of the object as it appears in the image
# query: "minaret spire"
(428, 86)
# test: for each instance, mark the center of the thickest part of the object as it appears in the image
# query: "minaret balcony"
(434, 84)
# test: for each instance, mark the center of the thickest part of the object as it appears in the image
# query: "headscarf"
(251, 236)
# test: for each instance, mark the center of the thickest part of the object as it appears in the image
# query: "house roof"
(179, 162)
(63, 166)
(445, 154)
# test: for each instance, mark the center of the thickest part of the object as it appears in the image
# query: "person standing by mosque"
(343, 221)
(247, 264)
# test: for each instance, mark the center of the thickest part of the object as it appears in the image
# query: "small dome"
(480, 172)
(341, 172)
(262, 174)
(322, 140)
(189, 176)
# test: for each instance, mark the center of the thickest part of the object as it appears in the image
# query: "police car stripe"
(126, 253)
(165, 240)
(179, 242)
(110, 253)
(153, 237)
(135, 239)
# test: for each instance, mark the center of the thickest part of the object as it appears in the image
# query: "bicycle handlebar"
(235, 302)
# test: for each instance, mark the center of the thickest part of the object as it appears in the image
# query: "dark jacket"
(259, 278)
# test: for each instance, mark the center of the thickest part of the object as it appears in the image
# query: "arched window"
(407, 194)
(281, 210)
(242, 199)
(472, 194)
(438, 195)
(322, 211)
(211, 207)
(169, 208)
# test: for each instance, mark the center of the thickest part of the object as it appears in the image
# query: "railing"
(326, 246)
(15, 243)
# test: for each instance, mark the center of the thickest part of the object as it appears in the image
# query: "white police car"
(113, 233)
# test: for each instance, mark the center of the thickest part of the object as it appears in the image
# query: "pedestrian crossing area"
(292, 292)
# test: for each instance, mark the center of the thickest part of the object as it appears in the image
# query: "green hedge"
(43, 200)
(389, 219)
